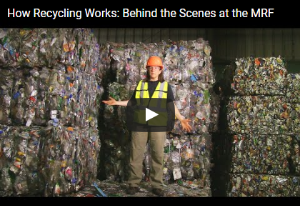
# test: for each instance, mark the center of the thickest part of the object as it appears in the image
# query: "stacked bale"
(49, 123)
(258, 137)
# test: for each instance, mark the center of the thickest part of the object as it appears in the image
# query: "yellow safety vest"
(157, 103)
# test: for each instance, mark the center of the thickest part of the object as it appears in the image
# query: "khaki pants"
(137, 151)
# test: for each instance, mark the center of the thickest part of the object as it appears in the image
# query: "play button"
(150, 114)
(152, 117)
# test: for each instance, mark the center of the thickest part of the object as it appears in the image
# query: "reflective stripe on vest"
(160, 90)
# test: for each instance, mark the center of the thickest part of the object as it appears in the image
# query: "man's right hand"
(111, 101)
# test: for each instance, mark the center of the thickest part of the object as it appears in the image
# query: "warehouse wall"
(148, 35)
(227, 43)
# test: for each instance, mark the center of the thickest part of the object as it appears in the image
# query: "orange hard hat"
(154, 61)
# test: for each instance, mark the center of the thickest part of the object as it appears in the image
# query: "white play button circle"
(150, 114)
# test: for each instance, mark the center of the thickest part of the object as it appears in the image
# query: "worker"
(152, 94)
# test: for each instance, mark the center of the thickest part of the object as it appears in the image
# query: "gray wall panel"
(173, 34)
(102, 35)
(147, 35)
(240, 43)
(182, 34)
(112, 34)
(277, 41)
(232, 44)
(129, 35)
(267, 41)
(155, 35)
(192, 34)
(219, 51)
(249, 43)
(287, 44)
(120, 38)
(296, 41)
(201, 33)
(258, 43)
(138, 35)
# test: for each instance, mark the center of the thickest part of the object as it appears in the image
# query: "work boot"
(158, 192)
(132, 190)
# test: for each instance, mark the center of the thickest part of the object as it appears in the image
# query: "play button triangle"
(150, 114)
